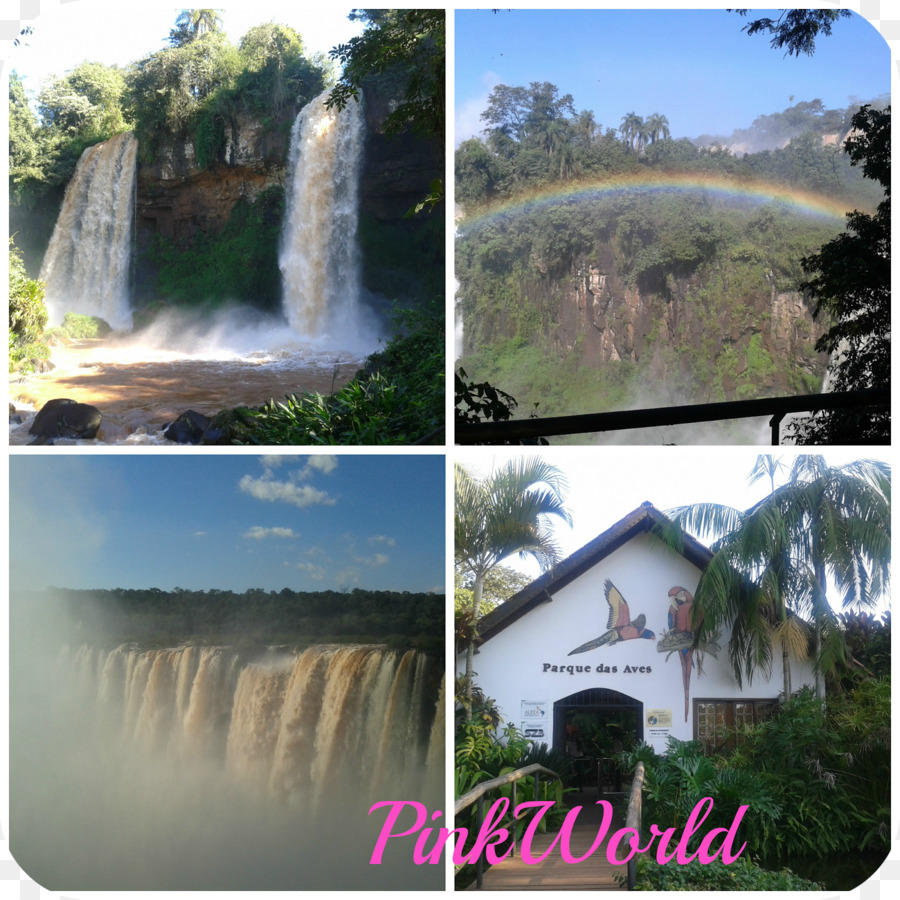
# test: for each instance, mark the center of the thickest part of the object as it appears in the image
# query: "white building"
(601, 645)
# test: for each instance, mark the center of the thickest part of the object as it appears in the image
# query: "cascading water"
(298, 725)
(86, 265)
(194, 768)
(319, 256)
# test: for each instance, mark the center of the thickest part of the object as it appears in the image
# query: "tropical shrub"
(397, 398)
(741, 875)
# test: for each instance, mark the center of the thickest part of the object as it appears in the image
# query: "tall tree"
(851, 283)
(194, 23)
(772, 563)
(631, 129)
(657, 127)
(507, 512)
(587, 127)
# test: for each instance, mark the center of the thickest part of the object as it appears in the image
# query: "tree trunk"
(477, 590)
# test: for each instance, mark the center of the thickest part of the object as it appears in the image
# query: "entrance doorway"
(593, 726)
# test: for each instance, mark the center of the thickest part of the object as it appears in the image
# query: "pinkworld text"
(621, 845)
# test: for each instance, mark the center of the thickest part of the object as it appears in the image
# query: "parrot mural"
(620, 626)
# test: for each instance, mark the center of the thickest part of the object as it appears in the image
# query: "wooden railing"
(633, 816)
(777, 407)
(477, 794)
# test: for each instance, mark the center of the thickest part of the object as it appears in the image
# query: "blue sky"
(229, 522)
(696, 67)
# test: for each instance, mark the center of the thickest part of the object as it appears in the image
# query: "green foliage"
(192, 23)
(27, 313)
(796, 29)
(816, 779)
(409, 45)
(168, 89)
(499, 585)
(720, 260)
(86, 102)
(850, 279)
(78, 326)
(257, 617)
(741, 875)
(482, 753)
(403, 258)
(240, 263)
(275, 72)
(398, 398)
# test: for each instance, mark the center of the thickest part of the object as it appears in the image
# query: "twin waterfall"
(319, 258)
(302, 729)
(86, 266)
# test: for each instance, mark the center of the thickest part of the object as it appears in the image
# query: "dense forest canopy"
(164, 618)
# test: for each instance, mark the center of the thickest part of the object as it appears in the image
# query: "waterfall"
(202, 767)
(86, 265)
(300, 727)
(319, 257)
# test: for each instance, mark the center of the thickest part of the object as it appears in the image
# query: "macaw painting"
(620, 626)
(680, 637)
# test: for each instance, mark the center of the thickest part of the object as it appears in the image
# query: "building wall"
(527, 666)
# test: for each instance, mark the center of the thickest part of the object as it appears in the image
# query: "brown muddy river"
(139, 389)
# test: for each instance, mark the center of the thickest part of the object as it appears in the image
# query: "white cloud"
(379, 559)
(258, 533)
(325, 463)
(199, 534)
(315, 572)
(382, 539)
(266, 488)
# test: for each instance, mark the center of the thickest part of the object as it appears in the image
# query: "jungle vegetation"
(254, 617)
(707, 251)
(192, 91)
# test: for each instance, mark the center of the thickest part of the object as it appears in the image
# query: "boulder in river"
(62, 417)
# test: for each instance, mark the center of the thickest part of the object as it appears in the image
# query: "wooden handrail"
(633, 816)
(480, 790)
(476, 795)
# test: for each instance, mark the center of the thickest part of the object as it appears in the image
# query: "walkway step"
(554, 874)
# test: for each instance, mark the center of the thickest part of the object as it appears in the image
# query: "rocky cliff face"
(697, 338)
(767, 338)
(178, 199)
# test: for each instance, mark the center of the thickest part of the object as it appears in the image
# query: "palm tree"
(773, 562)
(840, 521)
(587, 126)
(506, 512)
(631, 128)
(657, 127)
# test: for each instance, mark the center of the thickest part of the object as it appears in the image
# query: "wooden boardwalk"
(553, 874)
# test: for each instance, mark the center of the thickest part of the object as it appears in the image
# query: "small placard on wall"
(535, 719)
(659, 718)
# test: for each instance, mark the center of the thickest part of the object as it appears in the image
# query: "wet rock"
(62, 417)
(188, 428)
(229, 426)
